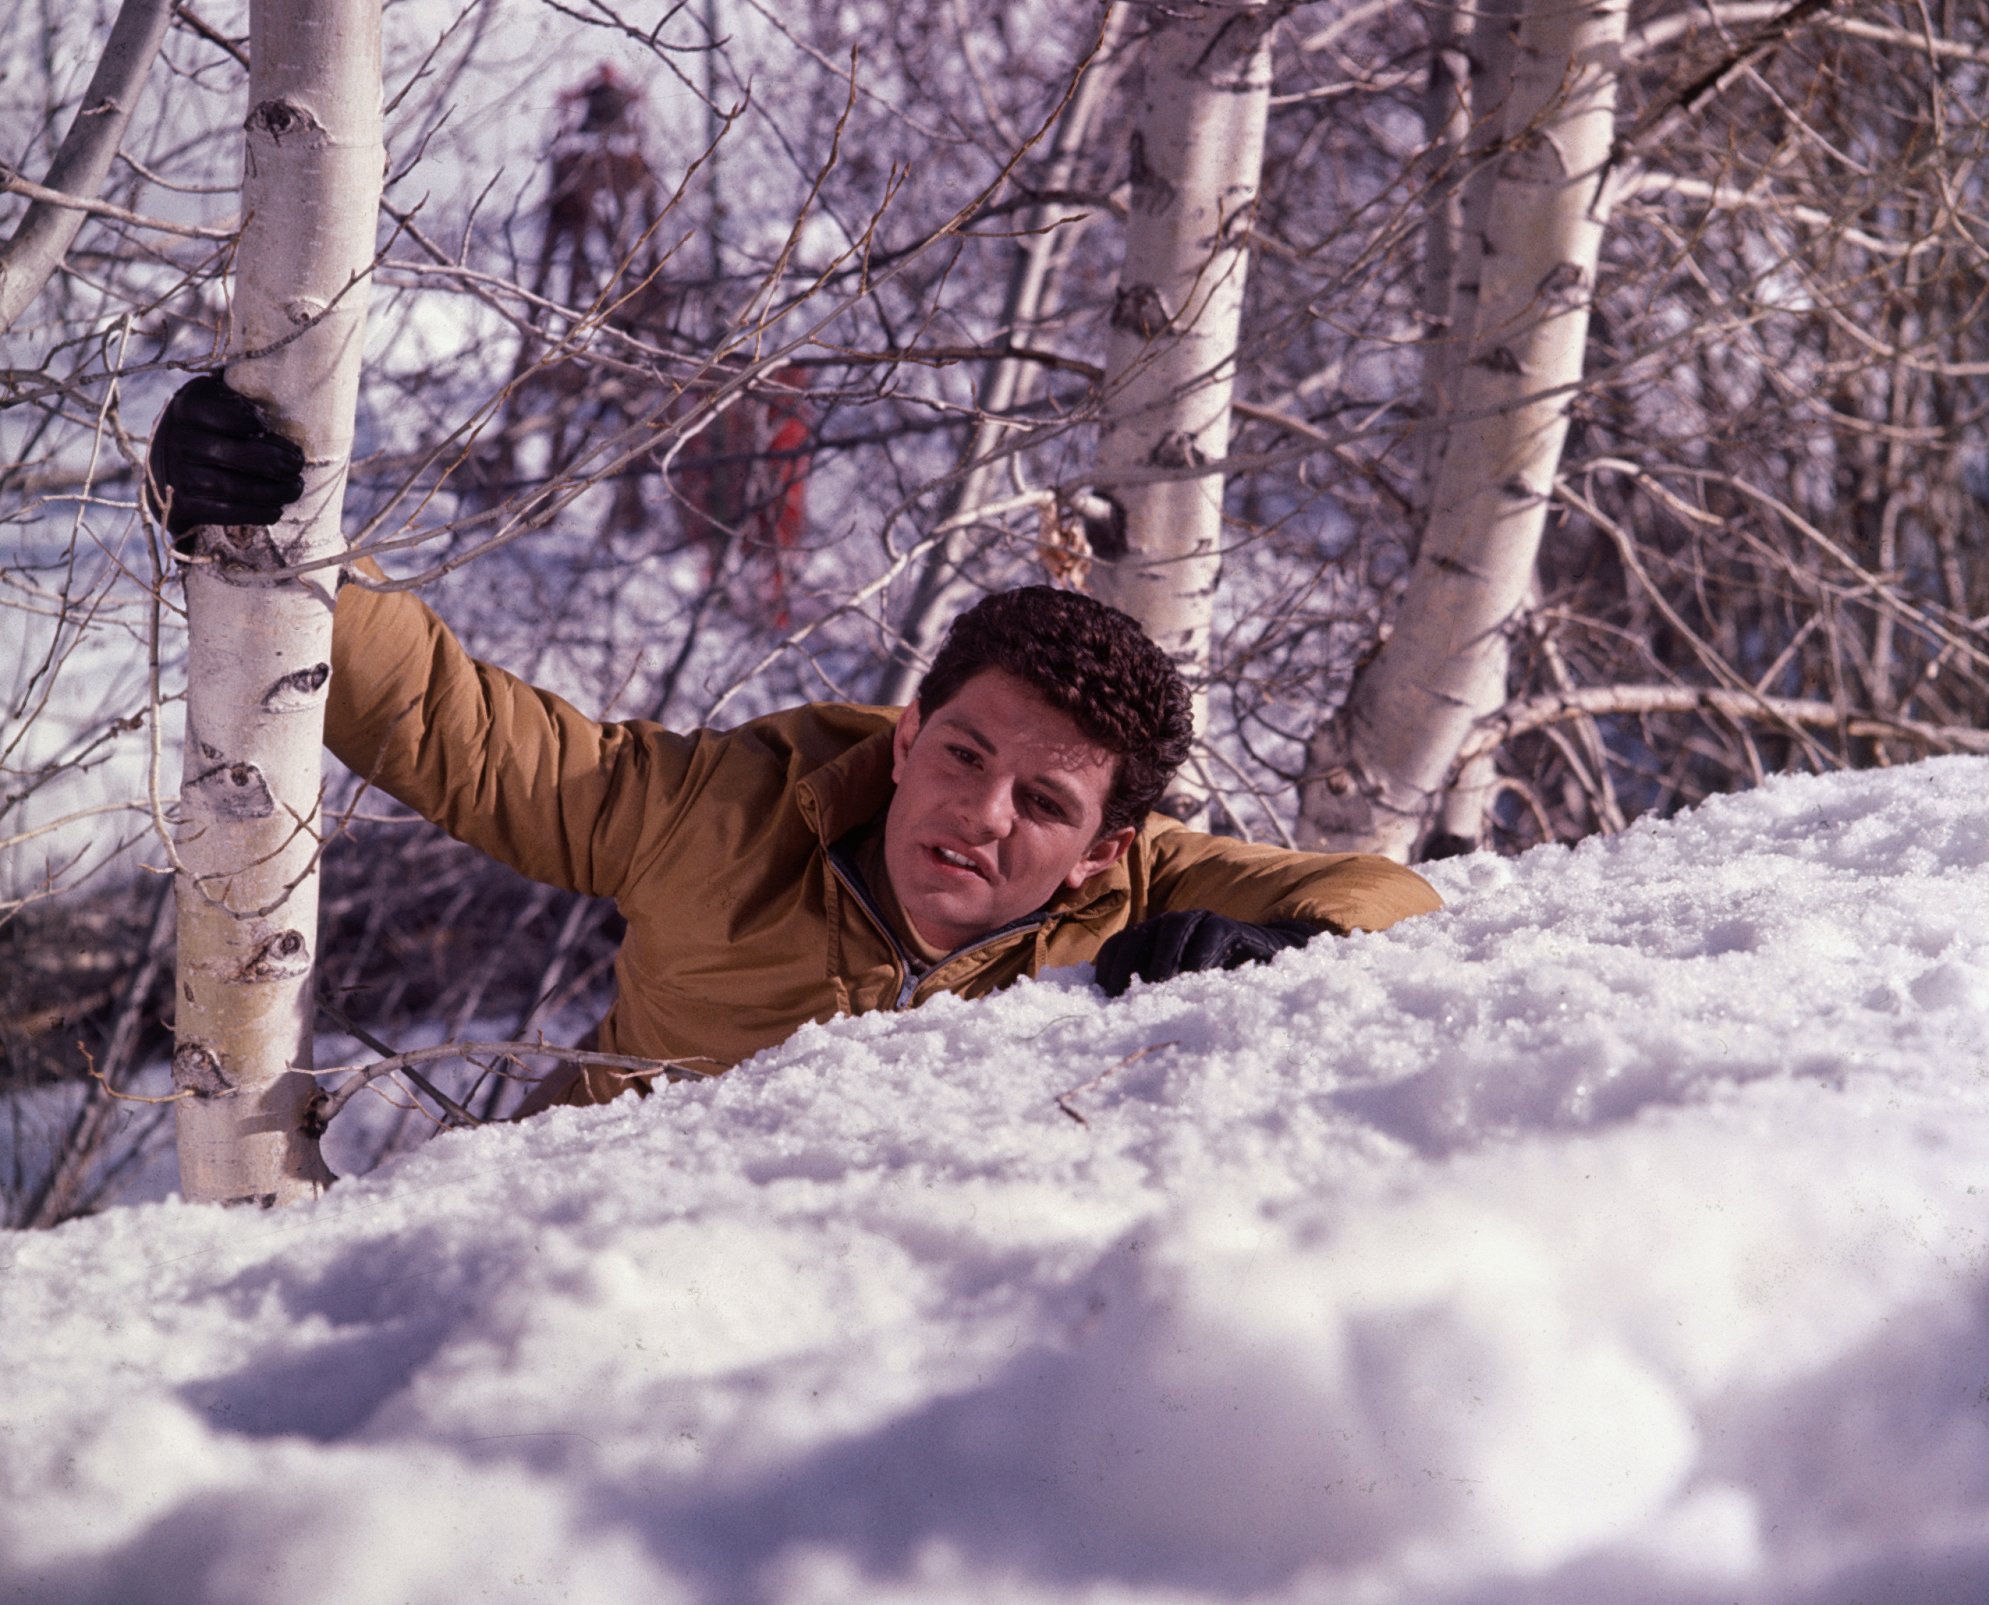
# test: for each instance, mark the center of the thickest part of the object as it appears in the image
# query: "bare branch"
(360, 1076)
(45, 233)
(1606, 701)
(13, 184)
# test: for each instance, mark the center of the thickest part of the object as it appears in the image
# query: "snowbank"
(1616, 1235)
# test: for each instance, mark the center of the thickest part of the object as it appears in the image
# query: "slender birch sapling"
(259, 618)
(1378, 770)
(1197, 158)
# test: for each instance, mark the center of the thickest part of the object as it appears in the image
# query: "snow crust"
(1616, 1235)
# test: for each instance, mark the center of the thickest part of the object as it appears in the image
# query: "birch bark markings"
(259, 647)
(1464, 121)
(1197, 158)
(1377, 771)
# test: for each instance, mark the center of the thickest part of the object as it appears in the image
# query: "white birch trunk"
(259, 648)
(1197, 156)
(1378, 771)
(1468, 801)
(1447, 128)
(1464, 119)
(46, 230)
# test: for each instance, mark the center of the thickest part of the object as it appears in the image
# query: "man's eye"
(965, 755)
(1047, 806)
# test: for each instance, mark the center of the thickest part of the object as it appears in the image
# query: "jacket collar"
(855, 787)
(851, 789)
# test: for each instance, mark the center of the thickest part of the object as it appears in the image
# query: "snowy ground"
(1617, 1235)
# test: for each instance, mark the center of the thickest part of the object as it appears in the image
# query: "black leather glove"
(217, 455)
(1192, 939)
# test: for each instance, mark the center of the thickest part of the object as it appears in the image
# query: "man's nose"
(987, 811)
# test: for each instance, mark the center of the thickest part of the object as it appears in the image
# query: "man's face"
(999, 801)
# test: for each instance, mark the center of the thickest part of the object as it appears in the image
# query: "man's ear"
(902, 739)
(1101, 856)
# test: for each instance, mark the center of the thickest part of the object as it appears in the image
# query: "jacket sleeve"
(495, 762)
(1257, 882)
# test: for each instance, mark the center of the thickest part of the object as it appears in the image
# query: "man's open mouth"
(955, 860)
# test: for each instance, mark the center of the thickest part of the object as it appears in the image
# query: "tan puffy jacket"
(717, 846)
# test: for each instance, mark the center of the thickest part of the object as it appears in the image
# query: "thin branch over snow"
(360, 1076)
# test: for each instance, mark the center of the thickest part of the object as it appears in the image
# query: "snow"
(1615, 1235)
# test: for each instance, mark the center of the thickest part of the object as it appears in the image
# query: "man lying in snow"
(829, 859)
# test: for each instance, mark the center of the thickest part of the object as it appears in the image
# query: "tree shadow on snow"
(357, 1329)
(1046, 1472)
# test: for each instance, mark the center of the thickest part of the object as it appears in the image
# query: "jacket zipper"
(908, 981)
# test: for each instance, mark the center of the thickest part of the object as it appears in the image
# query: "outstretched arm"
(495, 762)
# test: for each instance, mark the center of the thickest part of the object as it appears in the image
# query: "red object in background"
(745, 477)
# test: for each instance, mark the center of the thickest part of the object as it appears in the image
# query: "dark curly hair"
(1089, 661)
